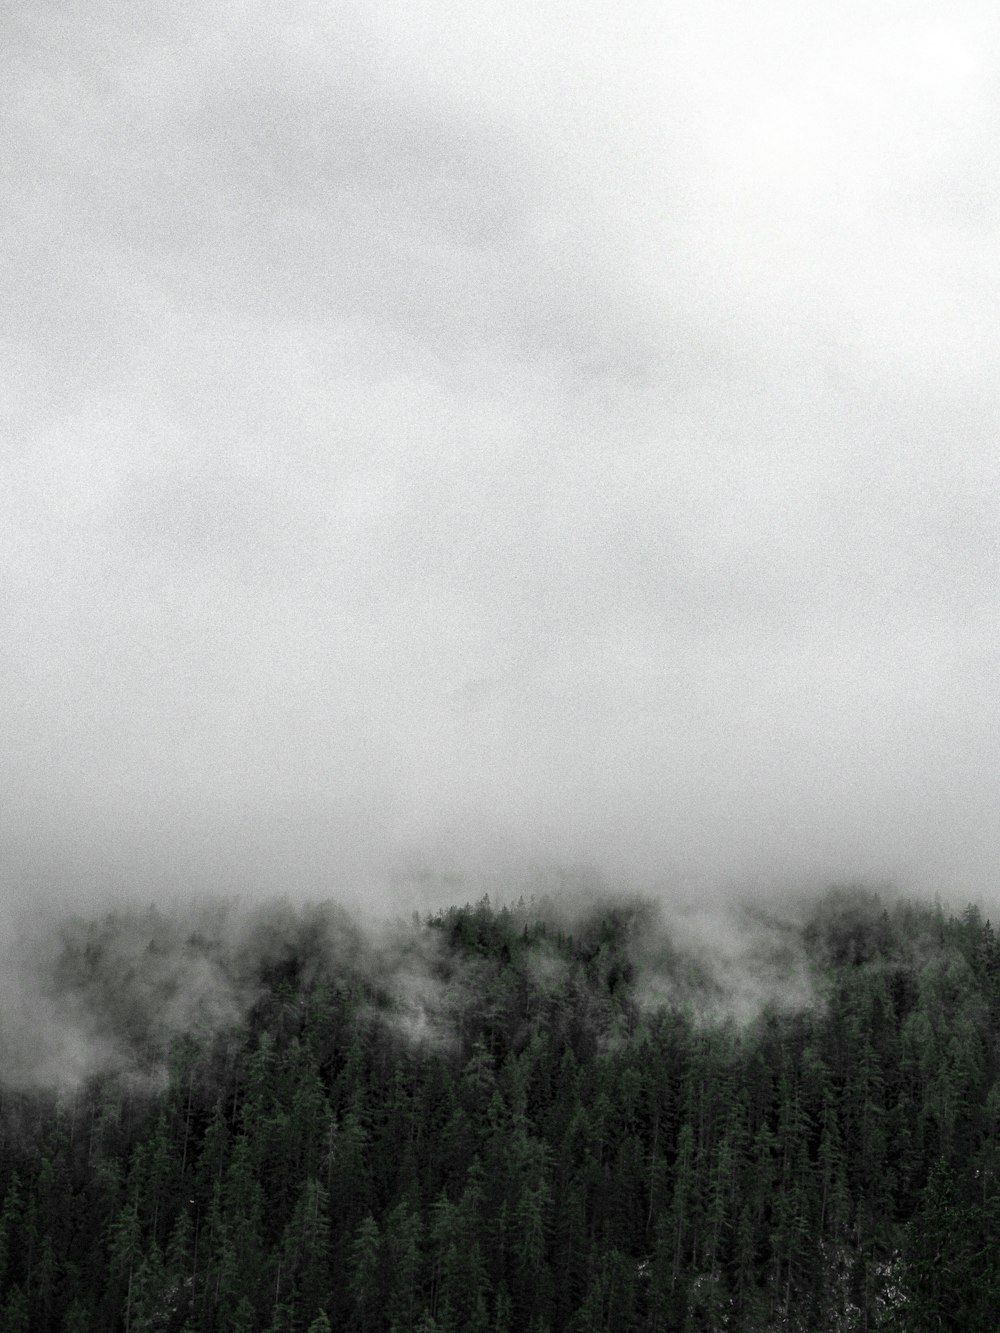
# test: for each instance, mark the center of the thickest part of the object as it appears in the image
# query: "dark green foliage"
(498, 1132)
(951, 1254)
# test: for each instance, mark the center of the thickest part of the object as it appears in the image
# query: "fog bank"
(444, 447)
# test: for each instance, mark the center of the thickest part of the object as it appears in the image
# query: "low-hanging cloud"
(443, 445)
(128, 993)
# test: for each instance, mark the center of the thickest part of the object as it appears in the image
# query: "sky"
(450, 445)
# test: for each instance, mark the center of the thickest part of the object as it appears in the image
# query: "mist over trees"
(503, 1119)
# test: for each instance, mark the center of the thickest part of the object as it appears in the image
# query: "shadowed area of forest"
(501, 1119)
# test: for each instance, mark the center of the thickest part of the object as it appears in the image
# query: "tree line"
(532, 1145)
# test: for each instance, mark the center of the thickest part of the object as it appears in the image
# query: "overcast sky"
(446, 439)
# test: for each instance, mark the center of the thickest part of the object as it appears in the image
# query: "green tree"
(365, 1253)
(402, 1262)
(951, 1260)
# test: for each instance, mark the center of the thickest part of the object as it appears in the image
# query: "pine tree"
(402, 1261)
(125, 1256)
(15, 1315)
(305, 1256)
(364, 1269)
(10, 1221)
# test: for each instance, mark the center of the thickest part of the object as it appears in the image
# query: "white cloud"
(499, 433)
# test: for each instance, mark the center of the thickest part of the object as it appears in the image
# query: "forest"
(508, 1119)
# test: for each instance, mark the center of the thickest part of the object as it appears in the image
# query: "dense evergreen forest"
(507, 1120)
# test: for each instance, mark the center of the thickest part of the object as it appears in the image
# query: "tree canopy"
(516, 1131)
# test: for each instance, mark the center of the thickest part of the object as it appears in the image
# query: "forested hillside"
(509, 1120)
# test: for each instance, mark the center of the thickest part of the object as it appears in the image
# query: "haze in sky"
(444, 443)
